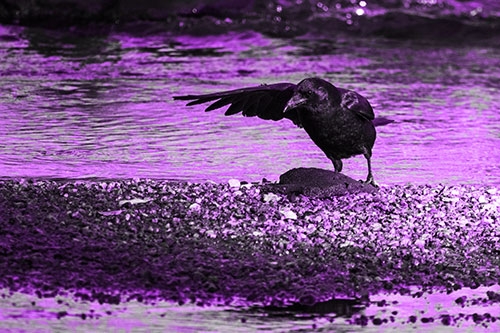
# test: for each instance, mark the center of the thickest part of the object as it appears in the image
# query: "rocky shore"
(443, 21)
(116, 240)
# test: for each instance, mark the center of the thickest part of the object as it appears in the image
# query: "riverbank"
(442, 21)
(113, 241)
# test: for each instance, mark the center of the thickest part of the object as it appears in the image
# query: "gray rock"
(318, 182)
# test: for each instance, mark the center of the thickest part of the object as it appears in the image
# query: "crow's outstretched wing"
(265, 101)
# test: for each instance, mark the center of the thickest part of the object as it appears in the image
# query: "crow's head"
(314, 94)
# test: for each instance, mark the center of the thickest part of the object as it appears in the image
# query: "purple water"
(84, 106)
(23, 312)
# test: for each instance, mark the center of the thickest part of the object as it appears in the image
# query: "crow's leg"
(369, 178)
(337, 164)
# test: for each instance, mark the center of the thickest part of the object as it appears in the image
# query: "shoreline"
(382, 20)
(209, 243)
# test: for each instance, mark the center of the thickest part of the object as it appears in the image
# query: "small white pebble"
(377, 226)
(234, 183)
(347, 243)
(247, 186)
(482, 199)
(289, 214)
(420, 243)
(134, 201)
(491, 207)
(405, 241)
(195, 206)
(270, 197)
(336, 215)
(210, 233)
(492, 191)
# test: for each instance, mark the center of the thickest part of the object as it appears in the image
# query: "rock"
(315, 177)
(420, 243)
(492, 191)
(318, 182)
(195, 207)
(234, 183)
(288, 213)
(134, 201)
(270, 197)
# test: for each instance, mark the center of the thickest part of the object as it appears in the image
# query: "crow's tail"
(381, 121)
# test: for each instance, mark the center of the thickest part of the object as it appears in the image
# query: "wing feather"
(356, 103)
(236, 106)
(253, 105)
(220, 103)
(278, 104)
(265, 101)
(201, 101)
(262, 104)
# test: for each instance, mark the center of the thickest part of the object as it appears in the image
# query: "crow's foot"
(370, 181)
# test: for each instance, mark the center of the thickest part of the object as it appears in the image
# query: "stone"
(318, 182)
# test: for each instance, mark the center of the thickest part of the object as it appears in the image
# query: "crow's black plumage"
(341, 122)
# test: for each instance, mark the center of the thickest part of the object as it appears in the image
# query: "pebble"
(288, 213)
(195, 207)
(134, 201)
(420, 243)
(270, 197)
(482, 199)
(234, 183)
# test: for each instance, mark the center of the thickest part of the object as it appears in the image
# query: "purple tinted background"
(79, 106)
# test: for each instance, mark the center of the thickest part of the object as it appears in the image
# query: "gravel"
(210, 243)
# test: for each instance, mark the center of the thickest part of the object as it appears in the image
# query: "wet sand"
(117, 241)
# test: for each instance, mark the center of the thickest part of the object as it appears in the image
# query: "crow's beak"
(295, 102)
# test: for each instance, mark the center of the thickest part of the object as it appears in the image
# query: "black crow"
(341, 122)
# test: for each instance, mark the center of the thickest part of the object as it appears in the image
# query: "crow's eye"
(307, 93)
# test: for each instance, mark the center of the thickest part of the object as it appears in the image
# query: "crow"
(340, 122)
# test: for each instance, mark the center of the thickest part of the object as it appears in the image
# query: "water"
(82, 105)
(23, 312)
